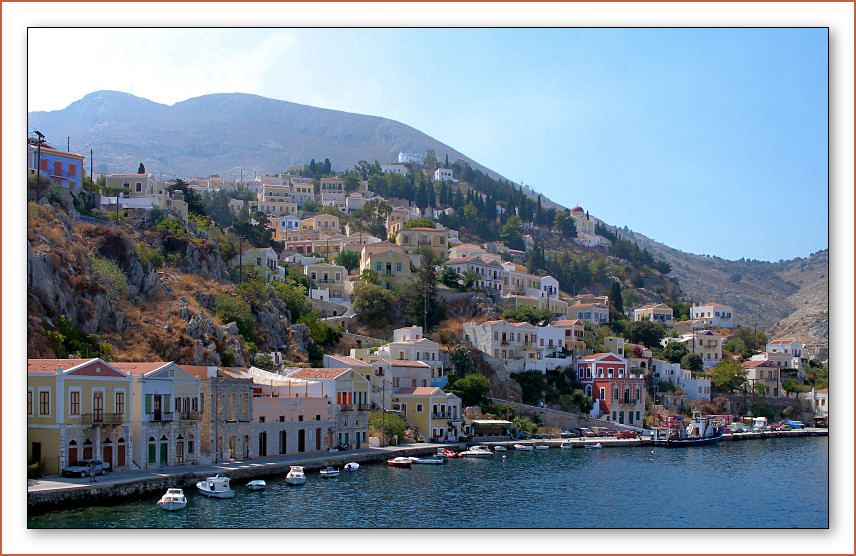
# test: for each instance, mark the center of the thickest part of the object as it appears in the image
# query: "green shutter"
(166, 407)
(148, 403)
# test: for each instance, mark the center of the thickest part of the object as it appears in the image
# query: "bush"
(227, 357)
(35, 470)
(388, 426)
(67, 340)
(235, 309)
(149, 255)
(109, 275)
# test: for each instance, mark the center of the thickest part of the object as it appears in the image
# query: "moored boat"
(594, 446)
(500, 448)
(216, 487)
(399, 462)
(428, 461)
(257, 484)
(477, 452)
(173, 500)
(542, 447)
(523, 447)
(329, 472)
(567, 445)
(352, 466)
(448, 453)
(700, 432)
(295, 476)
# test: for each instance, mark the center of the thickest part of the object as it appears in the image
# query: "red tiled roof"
(419, 391)
(758, 364)
(140, 369)
(783, 341)
(587, 305)
(319, 373)
(48, 366)
(565, 322)
(347, 360)
(823, 390)
(200, 371)
(406, 363)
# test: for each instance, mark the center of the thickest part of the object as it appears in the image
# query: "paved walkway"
(60, 483)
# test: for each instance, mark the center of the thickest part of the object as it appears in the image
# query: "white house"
(443, 174)
(694, 388)
(713, 314)
(399, 169)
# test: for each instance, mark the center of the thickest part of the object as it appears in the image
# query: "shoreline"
(52, 493)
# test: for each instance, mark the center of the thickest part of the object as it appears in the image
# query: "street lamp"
(39, 142)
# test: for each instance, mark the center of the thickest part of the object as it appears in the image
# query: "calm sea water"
(779, 482)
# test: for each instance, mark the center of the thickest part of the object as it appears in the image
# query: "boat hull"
(329, 475)
(428, 461)
(256, 485)
(172, 506)
(686, 442)
(216, 494)
(295, 481)
(398, 464)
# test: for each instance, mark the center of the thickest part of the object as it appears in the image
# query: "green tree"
(450, 277)
(753, 338)
(692, 362)
(419, 299)
(387, 426)
(675, 352)
(110, 276)
(141, 169)
(322, 334)
(462, 361)
(538, 317)
(728, 374)
(646, 332)
(565, 224)
(349, 259)
(510, 233)
(294, 296)
(793, 386)
(237, 310)
(264, 361)
(616, 301)
(472, 389)
(375, 306)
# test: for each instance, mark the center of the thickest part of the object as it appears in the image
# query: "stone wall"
(555, 418)
(741, 405)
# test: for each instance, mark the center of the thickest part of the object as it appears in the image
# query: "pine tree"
(141, 169)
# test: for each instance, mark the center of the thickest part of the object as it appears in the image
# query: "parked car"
(739, 427)
(626, 434)
(775, 426)
(81, 468)
(572, 433)
(587, 432)
(796, 424)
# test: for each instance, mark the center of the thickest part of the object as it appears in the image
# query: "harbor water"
(772, 483)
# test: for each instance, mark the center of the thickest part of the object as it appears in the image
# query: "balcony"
(160, 416)
(439, 415)
(346, 407)
(188, 415)
(361, 407)
(101, 418)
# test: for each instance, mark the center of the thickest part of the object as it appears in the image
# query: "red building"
(619, 396)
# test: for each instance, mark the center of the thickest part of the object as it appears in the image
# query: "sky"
(707, 140)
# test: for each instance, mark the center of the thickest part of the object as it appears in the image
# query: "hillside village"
(220, 316)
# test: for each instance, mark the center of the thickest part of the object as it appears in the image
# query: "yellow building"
(659, 312)
(390, 263)
(324, 223)
(78, 409)
(435, 414)
(437, 239)
(328, 276)
(574, 334)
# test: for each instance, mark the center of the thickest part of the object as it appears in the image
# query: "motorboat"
(295, 476)
(173, 500)
(448, 453)
(353, 466)
(329, 472)
(700, 431)
(216, 487)
(523, 447)
(500, 448)
(594, 446)
(258, 484)
(477, 452)
(399, 462)
(542, 447)
(428, 461)
(567, 446)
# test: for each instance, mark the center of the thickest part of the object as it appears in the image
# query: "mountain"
(222, 133)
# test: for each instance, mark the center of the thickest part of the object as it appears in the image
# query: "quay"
(52, 493)
(64, 492)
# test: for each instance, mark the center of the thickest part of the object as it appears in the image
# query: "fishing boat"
(329, 472)
(477, 452)
(216, 487)
(399, 462)
(353, 466)
(258, 484)
(699, 432)
(500, 448)
(295, 476)
(523, 447)
(428, 461)
(173, 500)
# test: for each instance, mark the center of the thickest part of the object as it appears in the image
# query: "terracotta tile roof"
(763, 363)
(565, 322)
(713, 305)
(49, 366)
(419, 391)
(826, 390)
(783, 341)
(594, 356)
(140, 369)
(406, 363)
(319, 373)
(350, 361)
(580, 305)
(200, 371)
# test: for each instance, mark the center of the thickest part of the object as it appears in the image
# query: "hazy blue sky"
(711, 141)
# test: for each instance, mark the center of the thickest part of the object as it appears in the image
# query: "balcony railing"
(101, 418)
(346, 407)
(361, 407)
(188, 415)
(438, 415)
(160, 416)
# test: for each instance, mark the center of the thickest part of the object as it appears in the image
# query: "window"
(194, 404)
(603, 393)
(44, 402)
(139, 187)
(419, 408)
(379, 267)
(262, 419)
(398, 267)
(300, 418)
(29, 402)
(120, 403)
(177, 403)
(74, 402)
(72, 170)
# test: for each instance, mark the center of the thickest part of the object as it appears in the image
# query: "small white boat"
(399, 462)
(216, 487)
(428, 461)
(567, 446)
(500, 448)
(258, 484)
(295, 476)
(477, 452)
(523, 447)
(329, 472)
(173, 500)
(542, 447)
(353, 466)
(594, 446)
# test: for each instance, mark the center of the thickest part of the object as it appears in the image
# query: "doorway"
(301, 440)
(262, 444)
(164, 451)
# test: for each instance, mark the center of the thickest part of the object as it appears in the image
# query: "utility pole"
(383, 413)
(68, 143)
(39, 141)
(240, 259)
(91, 177)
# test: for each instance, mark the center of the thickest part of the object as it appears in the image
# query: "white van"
(760, 424)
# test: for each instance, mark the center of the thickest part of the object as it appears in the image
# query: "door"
(179, 452)
(262, 444)
(301, 440)
(317, 440)
(98, 407)
(72, 454)
(37, 452)
(120, 456)
(232, 446)
(157, 408)
(164, 452)
(107, 455)
(87, 450)
(152, 452)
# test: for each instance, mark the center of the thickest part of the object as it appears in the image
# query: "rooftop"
(49, 366)
(319, 373)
